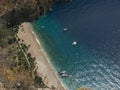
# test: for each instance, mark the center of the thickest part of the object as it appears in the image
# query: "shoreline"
(45, 69)
(47, 58)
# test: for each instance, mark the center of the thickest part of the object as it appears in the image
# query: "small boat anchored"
(74, 43)
(63, 74)
(42, 27)
(65, 29)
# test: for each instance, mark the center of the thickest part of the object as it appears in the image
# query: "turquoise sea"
(95, 25)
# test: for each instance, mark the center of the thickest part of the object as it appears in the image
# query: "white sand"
(44, 68)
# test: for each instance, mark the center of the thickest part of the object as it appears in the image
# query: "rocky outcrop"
(16, 11)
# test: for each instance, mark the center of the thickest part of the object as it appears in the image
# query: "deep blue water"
(95, 25)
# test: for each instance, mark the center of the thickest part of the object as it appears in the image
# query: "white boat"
(42, 27)
(64, 75)
(74, 43)
(62, 72)
(65, 29)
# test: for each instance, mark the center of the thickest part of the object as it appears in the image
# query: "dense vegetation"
(13, 12)
(17, 67)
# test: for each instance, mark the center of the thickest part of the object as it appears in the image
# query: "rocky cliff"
(16, 11)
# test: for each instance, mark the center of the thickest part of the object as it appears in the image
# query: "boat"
(74, 43)
(65, 29)
(63, 74)
(42, 27)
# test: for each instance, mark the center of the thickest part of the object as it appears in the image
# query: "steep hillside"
(16, 11)
(17, 67)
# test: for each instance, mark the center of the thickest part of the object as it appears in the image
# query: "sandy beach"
(44, 68)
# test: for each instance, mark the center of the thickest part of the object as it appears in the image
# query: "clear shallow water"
(95, 25)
